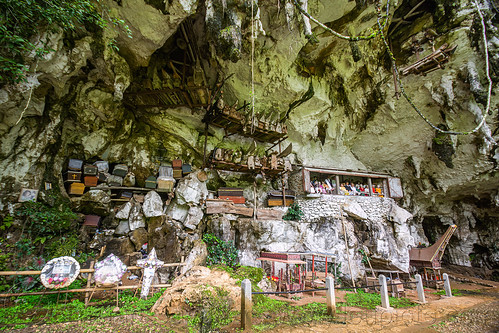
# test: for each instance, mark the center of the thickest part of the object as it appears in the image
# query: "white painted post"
(420, 289)
(246, 305)
(448, 291)
(385, 303)
(330, 298)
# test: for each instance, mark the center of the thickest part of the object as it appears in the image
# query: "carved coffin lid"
(75, 164)
(90, 170)
(74, 176)
(230, 191)
(120, 170)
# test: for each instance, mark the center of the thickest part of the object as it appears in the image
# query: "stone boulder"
(139, 238)
(196, 257)
(194, 216)
(122, 229)
(354, 210)
(124, 211)
(191, 190)
(119, 246)
(153, 204)
(136, 219)
(191, 289)
(96, 202)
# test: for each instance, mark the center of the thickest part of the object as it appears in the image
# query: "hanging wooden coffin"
(151, 182)
(115, 180)
(103, 176)
(90, 170)
(177, 164)
(102, 166)
(186, 169)
(177, 173)
(75, 164)
(74, 176)
(76, 188)
(90, 180)
(236, 200)
(120, 170)
(126, 195)
(230, 191)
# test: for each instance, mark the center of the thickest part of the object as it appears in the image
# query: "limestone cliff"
(337, 97)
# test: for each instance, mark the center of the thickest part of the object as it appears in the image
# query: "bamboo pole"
(346, 246)
(82, 290)
(84, 270)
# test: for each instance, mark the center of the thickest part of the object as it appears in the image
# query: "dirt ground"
(476, 310)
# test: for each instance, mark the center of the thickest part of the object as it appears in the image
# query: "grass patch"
(47, 309)
(367, 300)
(455, 292)
(271, 313)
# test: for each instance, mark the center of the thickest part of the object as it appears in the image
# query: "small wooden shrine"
(290, 278)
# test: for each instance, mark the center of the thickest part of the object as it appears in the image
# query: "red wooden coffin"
(90, 180)
(177, 164)
(237, 200)
(92, 220)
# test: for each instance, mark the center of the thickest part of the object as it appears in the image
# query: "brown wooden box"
(271, 202)
(237, 200)
(177, 173)
(230, 191)
(90, 180)
(166, 184)
(76, 188)
(90, 170)
(177, 164)
(74, 176)
(92, 220)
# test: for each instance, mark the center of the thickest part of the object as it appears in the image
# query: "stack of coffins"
(90, 175)
(274, 198)
(73, 176)
(119, 171)
(177, 168)
(165, 178)
(231, 193)
(102, 171)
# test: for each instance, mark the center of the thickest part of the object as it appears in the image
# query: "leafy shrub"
(294, 213)
(214, 310)
(220, 252)
(46, 220)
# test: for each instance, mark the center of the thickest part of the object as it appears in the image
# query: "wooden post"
(370, 184)
(385, 303)
(89, 279)
(420, 289)
(246, 305)
(448, 290)
(330, 298)
(337, 178)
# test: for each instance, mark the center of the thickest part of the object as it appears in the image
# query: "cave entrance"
(175, 76)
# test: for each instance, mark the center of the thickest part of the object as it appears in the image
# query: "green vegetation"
(455, 292)
(284, 313)
(220, 252)
(370, 301)
(294, 213)
(48, 309)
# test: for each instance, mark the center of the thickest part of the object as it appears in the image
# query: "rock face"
(337, 100)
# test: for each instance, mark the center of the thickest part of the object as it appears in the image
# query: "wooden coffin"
(177, 164)
(90, 180)
(76, 188)
(216, 206)
(90, 170)
(126, 195)
(186, 169)
(165, 171)
(102, 166)
(151, 182)
(177, 173)
(120, 170)
(103, 176)
(75, 164)
(236, 200)
(230, 191)
(114, 180)
(280, 256)
(272, 202)
(73, 176)
(166, 183)
(92, 221)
